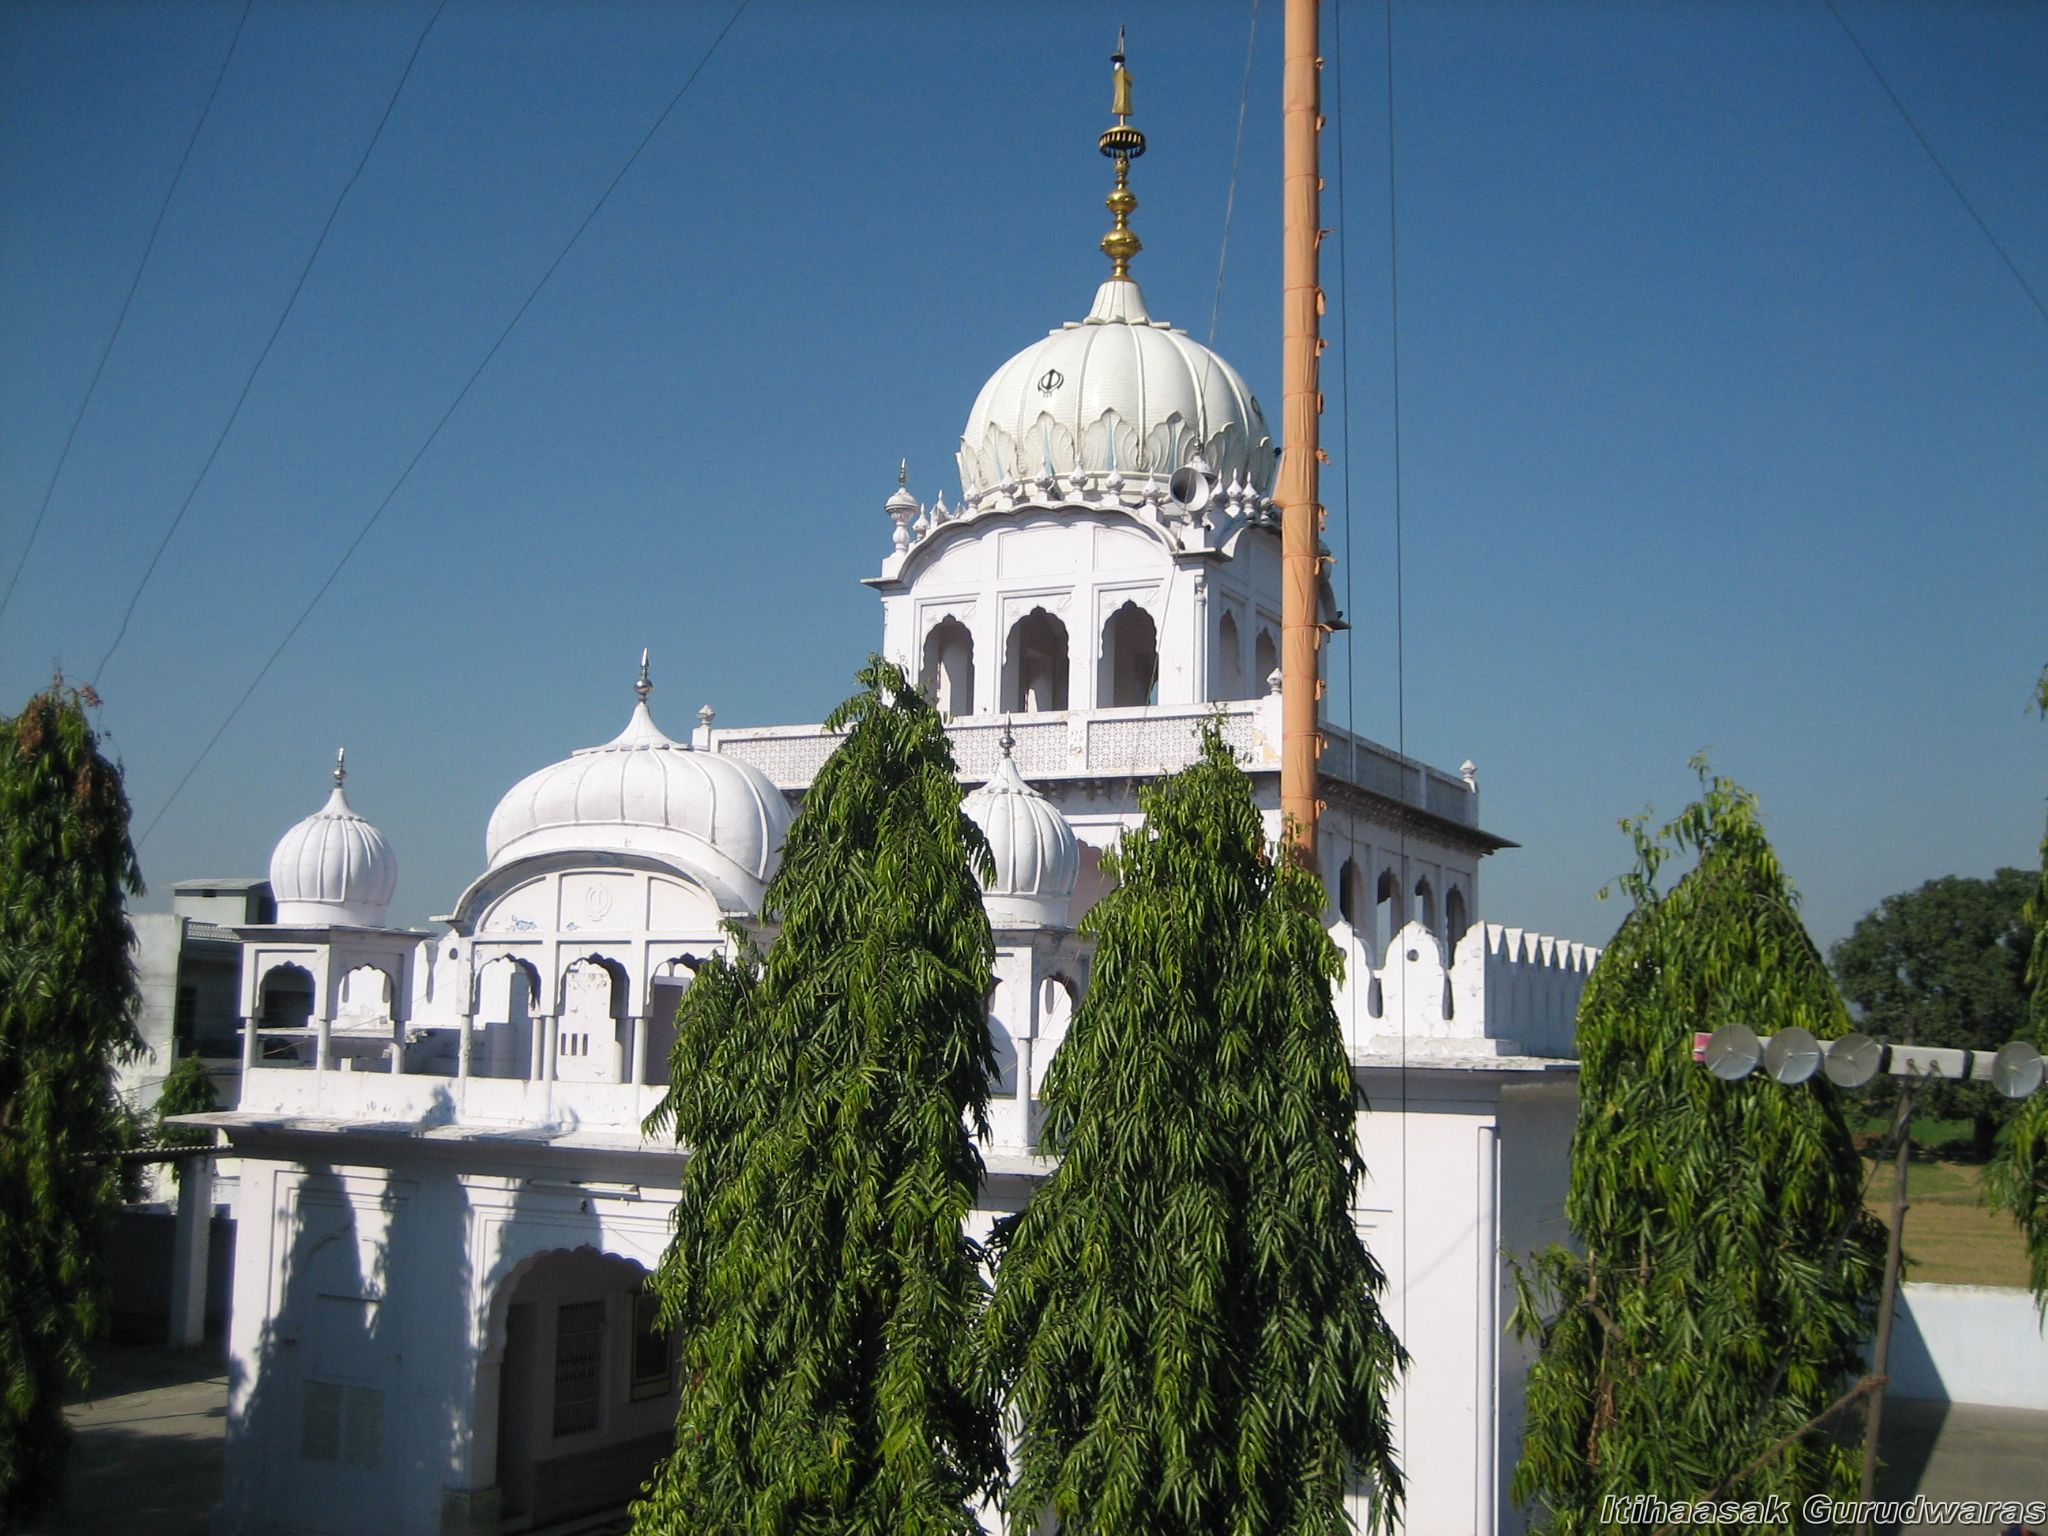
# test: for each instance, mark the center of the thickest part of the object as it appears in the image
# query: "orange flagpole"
(1301, 515)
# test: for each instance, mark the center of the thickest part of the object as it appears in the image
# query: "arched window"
(1350, 891)
(1386, 916)
(1265, 661)
(1129, 670)
(1455, 920)
(1229, 659)
(1035, 665)
(286, 998)
(947, 676)
(1425, 904)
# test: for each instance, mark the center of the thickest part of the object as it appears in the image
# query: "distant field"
(1952, 1238)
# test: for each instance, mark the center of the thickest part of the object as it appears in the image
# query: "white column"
(250, 1054)
(323, 1044)
(539, 1028)
(464, 1049)
(189, 1252)
(637, 1066)
(551, 1050)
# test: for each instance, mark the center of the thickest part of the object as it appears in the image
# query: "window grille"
(579, 1356)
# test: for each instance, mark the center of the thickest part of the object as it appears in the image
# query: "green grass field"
(1952, 1237)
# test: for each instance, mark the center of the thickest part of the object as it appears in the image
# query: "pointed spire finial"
(340, 765)
(645, 685)
(903, 473)
(1123, 144)
(1008, 740)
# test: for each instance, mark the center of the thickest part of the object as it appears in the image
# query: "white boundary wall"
(1979, 1344)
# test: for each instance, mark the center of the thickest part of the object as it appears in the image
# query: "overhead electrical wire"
(461, 394)
(1244, 97)
(248, 382)
(127, 299)
(1953, 185)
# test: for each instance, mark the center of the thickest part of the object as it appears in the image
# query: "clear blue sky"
(1724, 426)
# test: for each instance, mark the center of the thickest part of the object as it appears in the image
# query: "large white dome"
(1118, 393)
(642, 792)
(333, 867)
(1037, 860)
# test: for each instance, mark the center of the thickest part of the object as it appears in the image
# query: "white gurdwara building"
(447, 1206)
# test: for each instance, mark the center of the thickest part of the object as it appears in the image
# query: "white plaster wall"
(1980, 1344)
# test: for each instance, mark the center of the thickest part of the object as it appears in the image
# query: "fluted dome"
(642, 792)
(1036, 858)
(1117, 393)
(333, 867)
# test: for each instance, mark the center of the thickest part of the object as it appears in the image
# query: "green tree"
(2017, 1178)
(68, 997)
(1943, 965)
(1185, 1318)
(187, 1090)
(820, 1284)
(1725, 1269)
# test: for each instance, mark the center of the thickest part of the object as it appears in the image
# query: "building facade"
(448, 1208)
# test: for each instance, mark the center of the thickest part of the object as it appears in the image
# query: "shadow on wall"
(348, 1415)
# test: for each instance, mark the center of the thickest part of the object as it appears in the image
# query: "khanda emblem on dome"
(1123, 144)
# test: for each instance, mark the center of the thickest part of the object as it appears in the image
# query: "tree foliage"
(1185, 1318)
(187, 1090)
(819, 1282)
(1944, 964)
(2017, 1179)
(68, 997)
(1726, 1269)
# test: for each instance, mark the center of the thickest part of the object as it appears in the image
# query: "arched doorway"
(1035, 665)
(1128, 673)
(586, 1388)
(947, 676)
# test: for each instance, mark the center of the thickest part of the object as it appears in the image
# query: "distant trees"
(1944, 964)
(1726, 1273)
(1184, 1316)
(68, 997)
(2017, 1179)
(820, 1284)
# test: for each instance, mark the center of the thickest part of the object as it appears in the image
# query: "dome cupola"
(1036, 857)
(333, 867)
(716, 816)
(1105, 409)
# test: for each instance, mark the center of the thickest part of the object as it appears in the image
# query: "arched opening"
(1055, 1015)
(586, 1388)
(1229, 659)
(1351, 893)
(502, 1011)
(672, 978)
(1265, 661)
(1425, 904)
(1386, 914)
(1128, 672)
(589, 1034)
(1455, 919)
(947, 676)
(365, 997)
(1035, 665)
(284, 1014)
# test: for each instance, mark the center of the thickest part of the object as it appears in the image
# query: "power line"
(1953, 186)
(127, 299)
(1244, 96)
(462, 394)
(248, 383)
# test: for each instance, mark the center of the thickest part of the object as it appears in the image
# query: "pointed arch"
(947, 672)
(1127, 672)
(1035, 665)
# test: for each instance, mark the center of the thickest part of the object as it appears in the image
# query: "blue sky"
(1723, 426)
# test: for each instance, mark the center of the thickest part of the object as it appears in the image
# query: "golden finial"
(1123, 144)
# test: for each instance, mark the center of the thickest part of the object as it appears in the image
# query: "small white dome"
(643, 793)
(1118, 392)
(1037, 860)
(333, 867)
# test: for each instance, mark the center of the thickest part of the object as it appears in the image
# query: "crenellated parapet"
(1506, 992)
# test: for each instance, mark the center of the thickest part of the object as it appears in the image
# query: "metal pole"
(1300, 514)
(1880, 1360)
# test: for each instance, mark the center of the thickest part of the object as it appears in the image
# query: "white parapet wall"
(1507, 992)
(1980, 1344)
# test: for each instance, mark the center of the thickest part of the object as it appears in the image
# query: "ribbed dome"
(1036, 858)
(1118, 392)
(333, 867)
(642, 792)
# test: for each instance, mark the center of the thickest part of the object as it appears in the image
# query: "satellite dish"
(1732, 1052)
(1792, 1055)
(1853, 1060)
(2017, 1069)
